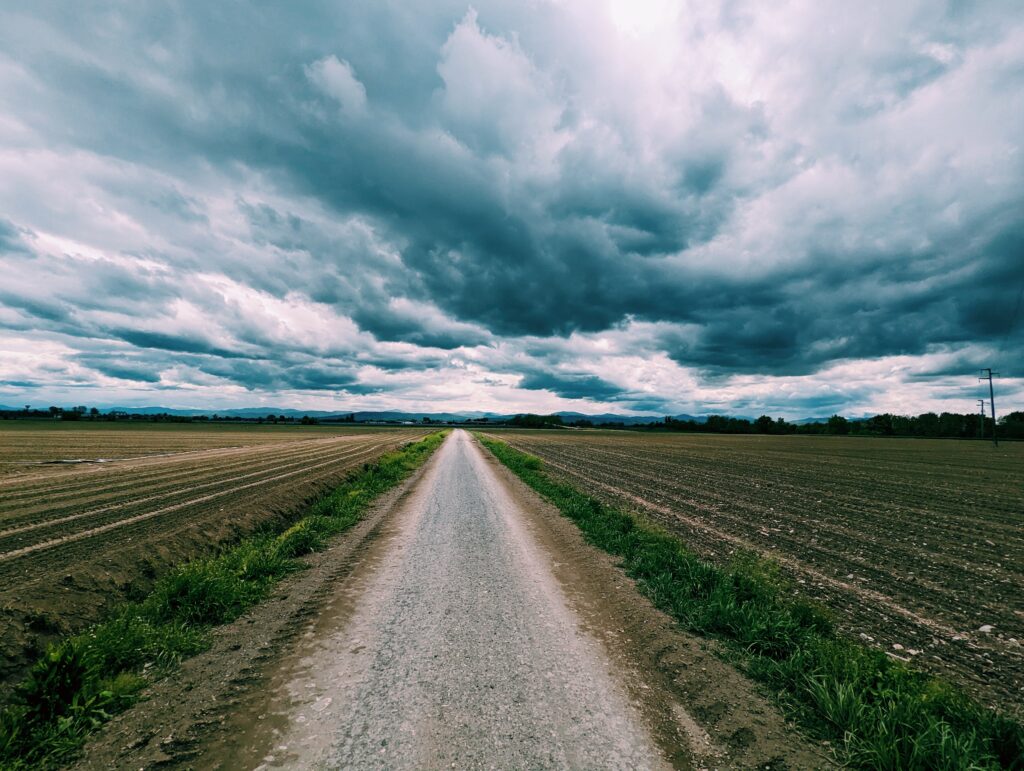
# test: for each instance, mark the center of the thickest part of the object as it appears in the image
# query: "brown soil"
(705, 714)
(915, 545)
(25, 445)
(76, 539)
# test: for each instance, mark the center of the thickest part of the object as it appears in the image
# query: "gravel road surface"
(458, 649)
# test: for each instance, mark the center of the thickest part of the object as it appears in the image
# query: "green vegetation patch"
(78, 684)
(876, 712)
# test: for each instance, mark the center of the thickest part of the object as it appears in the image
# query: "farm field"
(916, 546)
(27, 444)
(74, 536)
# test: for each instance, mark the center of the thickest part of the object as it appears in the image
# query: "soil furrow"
(216, 476)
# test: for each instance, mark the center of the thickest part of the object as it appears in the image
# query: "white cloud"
(494, 98)
(335, 78)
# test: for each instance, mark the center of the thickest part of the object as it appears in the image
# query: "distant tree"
(880, 424)
(536, 421)
(1011, 425)
(94, 413)
(308, 421)
(837, 424)
(902, 425)
(672, 424)
(948, 424)
(716, 423)
(927, 424)
(951, 424)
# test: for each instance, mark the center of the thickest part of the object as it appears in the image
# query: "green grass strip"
(79, 683)
(876, 712)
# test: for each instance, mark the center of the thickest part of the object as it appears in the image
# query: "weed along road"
(457, 648)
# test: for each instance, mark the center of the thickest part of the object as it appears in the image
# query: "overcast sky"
(794, 208)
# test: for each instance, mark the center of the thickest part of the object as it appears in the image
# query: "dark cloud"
(11, 238)
(170, 342)
(386, 324)
(267, 197)
(277, 375)
(180, 206)
(419, 362)
(41, 309)
(580, 386)
(135, 368)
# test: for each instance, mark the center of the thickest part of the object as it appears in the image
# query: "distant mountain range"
(397, 416)
(261, 412)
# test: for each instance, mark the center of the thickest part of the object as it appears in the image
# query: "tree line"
(92, 413)
(951, 425)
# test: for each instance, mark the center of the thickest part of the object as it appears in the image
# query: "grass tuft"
(877, 713)
(79, 683)
(304, 537)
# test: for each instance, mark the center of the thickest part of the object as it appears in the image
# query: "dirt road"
(461, 651)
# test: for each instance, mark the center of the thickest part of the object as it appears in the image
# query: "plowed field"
(917, 546)
(25, 445)
(74, 536)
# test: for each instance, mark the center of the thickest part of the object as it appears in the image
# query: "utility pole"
(992, 401)
(981, 405)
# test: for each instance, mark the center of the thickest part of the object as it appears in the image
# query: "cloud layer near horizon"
(661, 207)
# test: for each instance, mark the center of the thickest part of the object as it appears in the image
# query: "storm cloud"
(672, 206)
